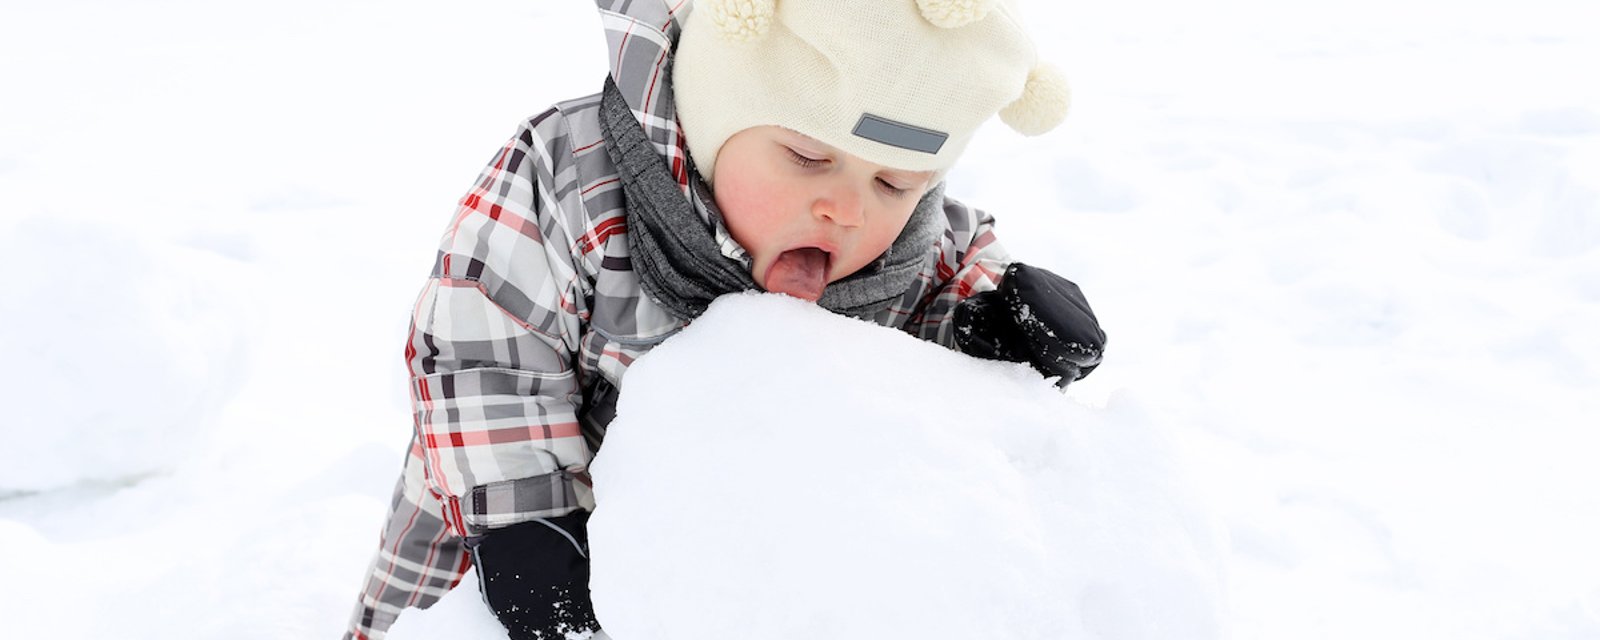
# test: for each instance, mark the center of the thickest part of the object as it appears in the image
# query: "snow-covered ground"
(1348, 256)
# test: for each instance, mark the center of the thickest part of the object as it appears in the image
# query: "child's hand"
(1035, 317)
(535, 576)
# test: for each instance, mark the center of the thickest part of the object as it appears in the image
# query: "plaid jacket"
(532, 314)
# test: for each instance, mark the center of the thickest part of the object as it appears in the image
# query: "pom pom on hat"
(950, 14)
(742, 20)
(1042, 105)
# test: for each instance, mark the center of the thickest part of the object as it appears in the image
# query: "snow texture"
(1347, 255)
(80, 332)
(796, 474)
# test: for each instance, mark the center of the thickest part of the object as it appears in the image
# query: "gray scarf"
(675, 252)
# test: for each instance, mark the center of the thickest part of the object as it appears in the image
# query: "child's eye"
(801, 160)
(890, 189)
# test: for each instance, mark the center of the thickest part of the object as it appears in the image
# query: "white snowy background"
(1348, 255)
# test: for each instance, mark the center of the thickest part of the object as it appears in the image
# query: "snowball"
(776, 471)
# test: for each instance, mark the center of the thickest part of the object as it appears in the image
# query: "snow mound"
(776, 471)
(120, 349)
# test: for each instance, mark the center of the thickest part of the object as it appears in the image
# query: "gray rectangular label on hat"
(899, 134)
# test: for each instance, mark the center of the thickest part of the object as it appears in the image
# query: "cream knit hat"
(902, 83)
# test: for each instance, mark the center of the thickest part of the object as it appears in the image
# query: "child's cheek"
(747, 212)
(893, 221)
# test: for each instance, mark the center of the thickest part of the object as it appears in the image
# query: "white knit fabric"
(816, 66)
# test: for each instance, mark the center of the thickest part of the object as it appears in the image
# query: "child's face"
(809, 214)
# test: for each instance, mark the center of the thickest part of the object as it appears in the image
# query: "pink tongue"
(801, 273)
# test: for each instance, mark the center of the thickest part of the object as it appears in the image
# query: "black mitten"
(535, 576)
(1035, 317)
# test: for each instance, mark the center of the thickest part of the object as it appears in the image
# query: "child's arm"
(971, 261)
(989, 306)
(496, 441)
(493, 388)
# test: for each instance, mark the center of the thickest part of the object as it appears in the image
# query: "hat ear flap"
(1042, 105)
(741, 20)
(950, 14)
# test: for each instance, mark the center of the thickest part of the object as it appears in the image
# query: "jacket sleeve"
(493, 389)
(494, 394)
(970, 261)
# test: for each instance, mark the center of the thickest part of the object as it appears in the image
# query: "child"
(792, 146)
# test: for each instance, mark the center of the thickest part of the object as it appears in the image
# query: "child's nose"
(841, 206)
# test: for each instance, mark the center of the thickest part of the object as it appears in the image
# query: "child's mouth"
(802, 273)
